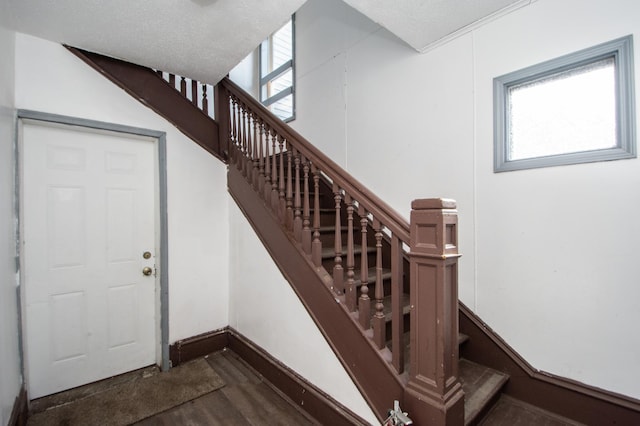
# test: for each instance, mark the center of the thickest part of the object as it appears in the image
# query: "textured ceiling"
(205, 39)
(422, 23)
(202, 39)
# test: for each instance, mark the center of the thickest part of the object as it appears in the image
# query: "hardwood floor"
(245, 399)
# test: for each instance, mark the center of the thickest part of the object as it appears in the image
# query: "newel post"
(223, 117)
(434, 394)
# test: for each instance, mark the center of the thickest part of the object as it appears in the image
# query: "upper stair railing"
(283, 167)
(200, 94)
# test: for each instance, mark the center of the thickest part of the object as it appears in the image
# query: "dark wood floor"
(245, 399)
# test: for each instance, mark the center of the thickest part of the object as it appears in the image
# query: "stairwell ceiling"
(422, 24)
(201, 39)
(205, 39)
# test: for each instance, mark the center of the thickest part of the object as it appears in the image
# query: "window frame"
(274, 74)
(621, 50)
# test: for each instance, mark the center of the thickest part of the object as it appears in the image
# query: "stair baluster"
(282, 204)
(256, 156)
(379, 331)
(267, 164)
(316, 245)
(297, 199)
(234, 130)
(172, 80)
(261, 158)
(364, 302)
(397, 320)
(243, 134)
(194, 93)
(338, 271)
(306, 230)
(274, 174)
(183, 86)
(289, 195)
(248, 163)
(350, 290)
(205, 101)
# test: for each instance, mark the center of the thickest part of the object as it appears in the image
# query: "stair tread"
(480, 384)
(462, 338)
(510, 411)
(387, 306)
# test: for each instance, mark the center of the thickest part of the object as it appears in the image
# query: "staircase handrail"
(372, 203)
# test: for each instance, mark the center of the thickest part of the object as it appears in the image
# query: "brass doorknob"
(147, 271)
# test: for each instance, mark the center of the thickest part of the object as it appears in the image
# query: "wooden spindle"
(364, 302)
(256, 156)
(267, 165)
(306, 214)
(205, 100)
(194, 93)
(261, 178)
(172, 80)
(282, 204)
(350, 290)
(289, 194)
(378, 323)
(243, 133)
(297, 199)
(316, 245)
(248, 164)
(159, 73)
(397, 320)
(338, 271)
(274, 176)
(238, 126)
(234, 130)
(183, 86)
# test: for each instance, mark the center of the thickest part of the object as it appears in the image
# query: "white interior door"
(88, 215)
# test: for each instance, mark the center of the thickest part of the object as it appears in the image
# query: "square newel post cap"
(433, 204)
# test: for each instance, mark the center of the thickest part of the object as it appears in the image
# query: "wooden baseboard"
(198, 346)
(343, 333)
(568, 398)
(305, 395)
(20, 410)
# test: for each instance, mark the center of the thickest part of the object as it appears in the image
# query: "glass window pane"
(283, 108)
(282, 46)
(570, 111)
(280, 83)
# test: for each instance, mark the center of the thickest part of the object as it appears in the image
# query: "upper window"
(277, 72)
(575, 109)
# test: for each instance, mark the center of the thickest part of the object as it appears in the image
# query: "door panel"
(88, 216)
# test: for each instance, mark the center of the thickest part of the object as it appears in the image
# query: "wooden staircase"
(482, 385)
(382, 290)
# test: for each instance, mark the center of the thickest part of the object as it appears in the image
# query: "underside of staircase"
(382, 291)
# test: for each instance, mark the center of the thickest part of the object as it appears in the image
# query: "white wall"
(51, 79)
(10, 375)
(550, 256)
(265, 309)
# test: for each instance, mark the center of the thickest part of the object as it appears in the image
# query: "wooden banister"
(433, 392)
(372, 203)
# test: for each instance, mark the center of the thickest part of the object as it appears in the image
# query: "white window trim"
(622, 50)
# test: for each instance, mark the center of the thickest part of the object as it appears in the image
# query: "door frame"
(162, 279)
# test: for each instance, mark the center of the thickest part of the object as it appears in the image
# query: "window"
(575, 109)
(277, 72)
